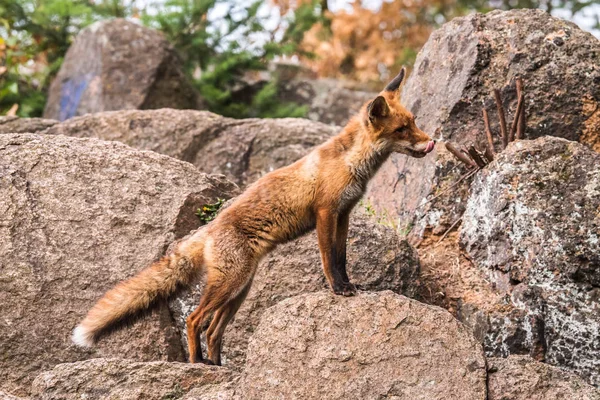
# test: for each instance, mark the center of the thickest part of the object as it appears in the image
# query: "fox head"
(392, 126)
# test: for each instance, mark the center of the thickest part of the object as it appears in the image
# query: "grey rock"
(454, 75)
(522, 378)
(371, 346)
(116, 65)
(532, 226)
(125, 380)
(76, 217)
(327, 100)
(242, 150)
(14, 124)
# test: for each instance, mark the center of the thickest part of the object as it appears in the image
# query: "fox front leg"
(333, 254)
(340, 245)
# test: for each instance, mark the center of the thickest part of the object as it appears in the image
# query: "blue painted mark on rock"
(70, 95)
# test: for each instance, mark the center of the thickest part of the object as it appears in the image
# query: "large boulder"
(532, 227)
(243, 150)
(327, 100)
(523, 378)
(377, 260)
(371, 346)
(116, 65)
(454, 75)
(14, 124)
(125, 380)
(77, 216)
(330, 101)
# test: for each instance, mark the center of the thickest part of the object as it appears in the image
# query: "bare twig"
(466, 153)
(490, 140)
(13, 110)
(461, 157)
(448, 230)
(476, 157)
(515, 122)
(489, 157)
(521, 126)
(462, 178)
(502, 118)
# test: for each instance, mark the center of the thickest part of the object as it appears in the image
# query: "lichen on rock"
(531, 225)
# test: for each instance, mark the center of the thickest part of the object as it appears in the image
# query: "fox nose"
(430, 146)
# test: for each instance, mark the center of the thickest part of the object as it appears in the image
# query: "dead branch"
(448, 230)
(502, 118)
(460, 156)
(490, 140)
(515, 123)
(489, 157)
(469, 174)
(521, 125)
(476, 157)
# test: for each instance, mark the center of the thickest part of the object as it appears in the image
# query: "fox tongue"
(430, 146)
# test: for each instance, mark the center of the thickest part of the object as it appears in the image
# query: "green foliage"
(266, 105)
(37, 35)
(217, 57)
(216, 52)
(406, 57)
(208, 212)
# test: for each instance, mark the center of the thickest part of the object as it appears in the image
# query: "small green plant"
(208, 212)
(368, 208)
(174, 394)
(381, 217)
(404, 232)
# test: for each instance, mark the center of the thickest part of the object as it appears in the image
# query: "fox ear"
(396, 82)
(378, 108)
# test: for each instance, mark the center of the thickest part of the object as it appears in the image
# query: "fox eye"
(401, 129)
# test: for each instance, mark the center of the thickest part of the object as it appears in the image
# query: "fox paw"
(345, 289)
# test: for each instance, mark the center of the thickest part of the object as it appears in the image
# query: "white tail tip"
(81, 337)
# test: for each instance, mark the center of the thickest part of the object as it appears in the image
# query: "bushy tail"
(134, 295)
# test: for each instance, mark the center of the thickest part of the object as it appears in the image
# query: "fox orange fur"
(318, 190)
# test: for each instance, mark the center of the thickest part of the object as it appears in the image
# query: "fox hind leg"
(222, 298)
(212, 299)
(214, 334)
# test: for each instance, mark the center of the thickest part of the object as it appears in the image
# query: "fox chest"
(351, 194)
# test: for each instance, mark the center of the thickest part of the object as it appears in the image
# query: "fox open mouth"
(422, 153)
(416, 154)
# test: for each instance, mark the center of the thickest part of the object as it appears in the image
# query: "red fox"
(318, 190)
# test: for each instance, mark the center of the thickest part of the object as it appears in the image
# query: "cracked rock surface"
(371, 346)
(76, 217)
(532, 226)
(522, 378)
(242, 150)
(102, 378)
